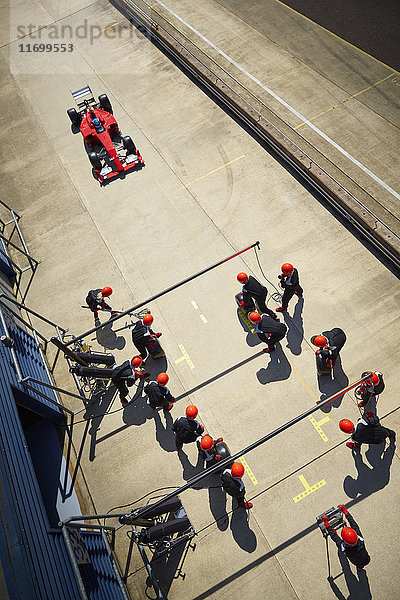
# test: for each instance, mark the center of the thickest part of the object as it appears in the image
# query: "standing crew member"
(351, 543)
(330, 344)
(370, 387)
(144, 338)
(253, 290)
(95, 300)
(268, 329)
(290, 284)
(158, 394)
(187, 429)
(233, 485)
(207, 446)
(368, 430)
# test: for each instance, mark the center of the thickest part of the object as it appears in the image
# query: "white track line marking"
(194, 305)
(290, 108)
(202, 317)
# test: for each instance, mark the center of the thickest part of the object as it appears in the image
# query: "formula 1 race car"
(110, 153)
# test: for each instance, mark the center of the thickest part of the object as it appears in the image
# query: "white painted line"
(194, 305)
(202, 317)
(290, 108)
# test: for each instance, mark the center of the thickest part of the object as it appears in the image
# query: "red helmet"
(287, 269)
(191, 411)
(242, 277)
(237, 470)
(346, 426)
(162, 378)
(349, 536)
(106, 291)
(136, 361)
(148, 319)
(374, 380)
(320, 341)
(206, 442)
(255, 317)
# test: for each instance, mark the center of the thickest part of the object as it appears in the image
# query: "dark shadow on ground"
(278, 368)
(164, 434)
(95, 412)
(329, 386)
(241, 532)
(295, 333)
(168, 567)
(357, 582)
(370, 480)
(217, 502)
(107, 338)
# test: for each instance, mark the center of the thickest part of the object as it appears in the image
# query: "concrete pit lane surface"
(208, 189)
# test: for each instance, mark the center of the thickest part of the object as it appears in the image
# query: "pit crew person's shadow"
(278, 368)
(190, 470)
(370, 480)
(358, 588)
(241, 532)
(137, 411)
(217, 501)
(96, 412)
(328, 386)
(107, 338)
(295, 333)
(164, 434)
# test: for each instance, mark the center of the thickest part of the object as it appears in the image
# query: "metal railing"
(23, 252)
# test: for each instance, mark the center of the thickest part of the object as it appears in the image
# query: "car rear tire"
(74, 116)
(105, 103)
(95, 161)
(129, 144)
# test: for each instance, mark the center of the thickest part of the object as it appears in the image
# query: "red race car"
(109, 152)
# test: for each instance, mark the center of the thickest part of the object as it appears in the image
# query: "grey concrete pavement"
(207, 188)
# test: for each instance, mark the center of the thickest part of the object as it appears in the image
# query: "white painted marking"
(202, 317)
(194, 305)
(290, 108)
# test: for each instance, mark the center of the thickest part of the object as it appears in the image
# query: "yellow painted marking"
(249, 324)
(346, 100)
(217, 169)
(336, 36)
(248, 470)
(317, 425)
(313, 422)
(185, 356)
(308, 489)
(113, 25)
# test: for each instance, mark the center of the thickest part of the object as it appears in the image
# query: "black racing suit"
(232, 486)
(368, 430)
(158, 395)
(371, 390)
(186, 430)
(123, 377)
(357, 554)
(291, 286)
(95, 301)
(336, 339)
(253, 290)
(270, 331)
(141, 336)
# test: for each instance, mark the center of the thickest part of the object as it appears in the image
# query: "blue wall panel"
(5, 264)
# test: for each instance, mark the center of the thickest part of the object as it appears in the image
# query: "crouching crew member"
(95, 301)
(268, 329)
(290, 284)
(123, 376)
(252, 290)
(368, 430)
(233, 485)
(371, 387)
(187, 429)
(158, 394)
(330, 344)
(144, 338)
(207, 446)
(351, 542)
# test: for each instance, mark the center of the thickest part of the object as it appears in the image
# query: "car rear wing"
(83, 96)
